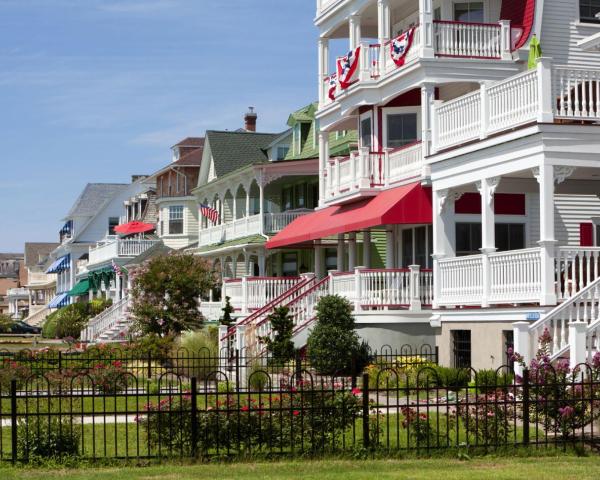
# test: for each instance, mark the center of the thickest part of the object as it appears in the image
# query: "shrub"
(70, 320)
(12, 370)
(333, 344)
(453, 379)
(227, 311)
(488, 380)
(194, 354)
(5, 323)
(488, 417)
(49, 325)
(281, 346)
(109, 377)
(47, 437)
(258, 379)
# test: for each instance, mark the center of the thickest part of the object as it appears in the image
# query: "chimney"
(250, 120)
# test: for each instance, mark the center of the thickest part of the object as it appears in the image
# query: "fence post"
(194, 418)
(298, 365)
(13, 419)
(365, 410)
(149, 365)
(437, 355)
(60, 360)
(353, 370)
(526, 406)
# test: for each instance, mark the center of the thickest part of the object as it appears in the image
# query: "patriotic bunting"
(332, 86)
(347, 68)
(400, 46)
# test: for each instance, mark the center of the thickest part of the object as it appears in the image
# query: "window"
(176, 220)
(510, 236)
(401, 129)
(330, 259)
(588, 9)
(509, 343)
(287, 196)
(304, 130)
(417, 245)
(289, 264)
(282, 152)
(112, 223)
(365, 132)
(300, 196)
(468, 12)
(407, 247)
(468, 238)
(461, 348)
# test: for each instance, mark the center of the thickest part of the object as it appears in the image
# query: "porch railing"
(252, 293)
(114, 248)
(474, 40)
(540, 95)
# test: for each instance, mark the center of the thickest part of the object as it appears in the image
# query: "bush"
(70, 320)
(488, 381)
(281, 346)
(110, 377)
(49, 325)
(47, 437)
(258, 379)
(153, 345)
(333, 344)
(5, 323)
(453, 379)
(194, 354)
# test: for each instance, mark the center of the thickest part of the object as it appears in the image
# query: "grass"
(497, 468)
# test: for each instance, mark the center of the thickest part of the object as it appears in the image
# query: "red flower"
(296, 413)
(245, 408)
(356, 391)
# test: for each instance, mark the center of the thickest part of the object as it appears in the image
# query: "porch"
(113, 247)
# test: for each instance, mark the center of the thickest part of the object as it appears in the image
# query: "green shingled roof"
(233, 150)
(250, 240)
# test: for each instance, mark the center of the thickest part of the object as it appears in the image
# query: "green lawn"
(479, 469)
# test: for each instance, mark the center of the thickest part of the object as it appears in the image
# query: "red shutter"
(586, 235)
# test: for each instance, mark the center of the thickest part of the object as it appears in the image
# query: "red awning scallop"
(409, 204)
(134, 227)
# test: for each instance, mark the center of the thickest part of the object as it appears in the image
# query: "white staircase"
(574, 326)
(109, 326)
(36, 319)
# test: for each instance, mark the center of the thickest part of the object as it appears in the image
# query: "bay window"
(176, 220)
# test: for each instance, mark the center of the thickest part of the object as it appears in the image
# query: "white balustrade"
(459, 39)
(105, 320)
(403, 163)
(211, 310)
(232, 288)
(461, 281)
(343, 284)
(36, 318)
(457, 121)
(515, 276)
(275, 222)
(576, 267)
(114, 248)
(578, 92)
(262, 290)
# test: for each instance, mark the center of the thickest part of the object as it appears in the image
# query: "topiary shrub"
(280, 346)
(333, 345)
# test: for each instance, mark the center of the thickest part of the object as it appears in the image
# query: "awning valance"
(82, 288)
(61, 300)
(99, 276)
(408, 204)
(59, 265)
(134, 227)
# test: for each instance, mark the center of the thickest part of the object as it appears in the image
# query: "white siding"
(572, 210)
(190, 223)
(561, 31)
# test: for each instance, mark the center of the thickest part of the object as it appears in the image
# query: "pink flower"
(356, 391)
(566, 412)
(296, 413)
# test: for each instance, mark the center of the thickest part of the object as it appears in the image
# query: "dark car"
(19, 327)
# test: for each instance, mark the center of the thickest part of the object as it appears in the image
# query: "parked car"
(20, 327)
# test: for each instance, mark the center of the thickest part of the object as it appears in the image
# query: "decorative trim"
(562, 172)
(492, 184)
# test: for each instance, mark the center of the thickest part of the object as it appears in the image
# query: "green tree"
(5, 323)
(227, 311)
(333, 345)
(165, 292)
(281, 346)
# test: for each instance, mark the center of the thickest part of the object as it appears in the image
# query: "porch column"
(351, 251)
(246, 263)
(261, 194)
(427, 99)
(323, 158)
(389, 248)
(340, 253)
(118, 284)
(383, 29)
(319, 262)
(234, 266)
(355, 33)
(323, 67)
(367, 248)
(426, 26)
(248, 201)
(486, 188)
(261, 264)
(441, 238)
(547, 243)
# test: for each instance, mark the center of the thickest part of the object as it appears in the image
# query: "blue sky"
(97, 90)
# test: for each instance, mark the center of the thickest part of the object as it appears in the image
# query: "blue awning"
(63, 263)
(61, 300)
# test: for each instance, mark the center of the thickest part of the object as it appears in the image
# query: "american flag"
(117, 269)
(210, 213)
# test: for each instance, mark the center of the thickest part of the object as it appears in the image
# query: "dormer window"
(300, 133)
(588, 9)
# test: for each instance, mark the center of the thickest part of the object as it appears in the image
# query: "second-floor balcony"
(267, 223)
(364, 173)
(113, 248)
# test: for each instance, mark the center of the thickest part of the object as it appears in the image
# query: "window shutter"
(586, 234)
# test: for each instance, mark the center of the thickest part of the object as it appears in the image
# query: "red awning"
(409, 204)
(521, 14)
(134, 227)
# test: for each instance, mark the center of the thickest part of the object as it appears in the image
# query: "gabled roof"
(190, 159)
(36, 252)
(233, 150)
(305, 114)
(191, 142)
(93, 198)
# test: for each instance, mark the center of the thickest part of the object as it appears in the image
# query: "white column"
(355, 33)
(261, 264)
(522, 344)
(248, 200)
(577, 347)
(545, 94)
(383, 30)
(261, 193)
(426, 26)
(545, 177)
(118, 287)
(351, 251)
(427, 100)
(319, 261)
(415, 287)
(323, 68)
(340, 253)
(441, 237)
(486, 188)
(367, 248)
(323, 159)
(505, 40)
(390, 246)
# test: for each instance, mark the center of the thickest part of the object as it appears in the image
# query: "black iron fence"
(99, 413)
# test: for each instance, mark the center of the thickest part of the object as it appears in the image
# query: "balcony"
(40, 278)
(480, 42)
(545, 95)
(17, 293)
(365, 173)
(113, 248)
(268, 223)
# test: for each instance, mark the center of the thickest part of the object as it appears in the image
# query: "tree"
(227, 311)
(333, 345)
(5, 323)
(281, 346)
(165, 292)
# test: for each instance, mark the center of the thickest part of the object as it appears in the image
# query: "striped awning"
(63, 263)
(61, 300)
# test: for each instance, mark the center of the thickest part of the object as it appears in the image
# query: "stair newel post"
(522, 344)
(245, 294)
(357, 289)
(415, 287)
(223, 352)
(577, 343)
(242, 352)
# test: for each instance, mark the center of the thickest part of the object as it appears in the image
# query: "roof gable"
(93, 197)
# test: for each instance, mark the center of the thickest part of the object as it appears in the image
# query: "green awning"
(82, 288)
(99, 276)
